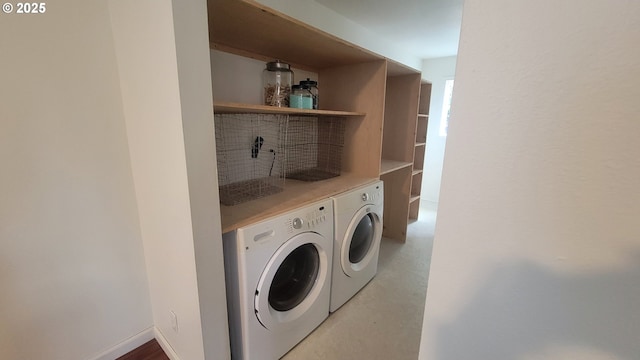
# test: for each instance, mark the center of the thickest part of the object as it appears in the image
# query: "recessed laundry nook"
(311, 195)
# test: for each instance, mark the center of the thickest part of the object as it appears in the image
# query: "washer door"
(361, 241)
(292, 281)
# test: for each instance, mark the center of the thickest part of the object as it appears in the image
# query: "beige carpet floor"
(384, 320)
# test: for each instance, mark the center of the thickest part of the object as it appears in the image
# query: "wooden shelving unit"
(404, 141)
(383, 101)
(398, 147)
(414, 208)
(416, 180)
(352, 81)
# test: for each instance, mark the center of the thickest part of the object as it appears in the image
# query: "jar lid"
(297, 87)
(277, 65)
(309, 83)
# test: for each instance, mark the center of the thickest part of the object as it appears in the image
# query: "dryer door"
(292, 281)
(361, 241)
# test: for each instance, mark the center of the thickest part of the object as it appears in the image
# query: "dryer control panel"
(372, 196)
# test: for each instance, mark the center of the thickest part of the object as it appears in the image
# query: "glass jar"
(300, 98)
(312, 87)
(276, 80)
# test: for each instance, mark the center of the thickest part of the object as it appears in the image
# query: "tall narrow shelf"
(398, 147)
(420, 147)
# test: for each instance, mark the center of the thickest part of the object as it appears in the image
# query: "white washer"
(278, 276)
(358, 225)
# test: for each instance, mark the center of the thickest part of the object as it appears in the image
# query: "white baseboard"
(164, 344)
(127, 345)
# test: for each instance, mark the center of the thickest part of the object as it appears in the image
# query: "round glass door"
(294, 278)
(362, 239)
(292, 281)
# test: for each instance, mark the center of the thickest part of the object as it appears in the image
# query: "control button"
(365, 197)
(297, 223)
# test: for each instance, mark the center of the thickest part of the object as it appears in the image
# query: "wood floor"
(148, 351)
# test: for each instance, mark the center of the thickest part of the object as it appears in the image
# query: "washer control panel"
(316, 217)
(309, 220)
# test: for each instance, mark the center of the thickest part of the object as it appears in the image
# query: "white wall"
(163, 59)
(196, 98)
(239, 79)
(437, 72)
(537, 249)
(72, 269)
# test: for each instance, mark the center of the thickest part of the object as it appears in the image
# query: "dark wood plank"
(148, 351)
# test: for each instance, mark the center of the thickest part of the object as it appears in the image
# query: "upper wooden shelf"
(235, 108)
(251, 29)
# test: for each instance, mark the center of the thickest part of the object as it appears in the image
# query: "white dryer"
(358, 231)
(278, 277)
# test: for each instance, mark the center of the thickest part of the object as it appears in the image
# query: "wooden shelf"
(416, 172)
(387, 166)
(414, 198)
(418, 158)
(416, 184)
(425, 98)
(294, 195)
(421, 144)
(421, 129)
(423, 115)
(254, 30)
(414, 209)
(397, 190)
(237, 108)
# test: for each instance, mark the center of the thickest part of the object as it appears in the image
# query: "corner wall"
(146, 54)
(163, 61)
(537, 247)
